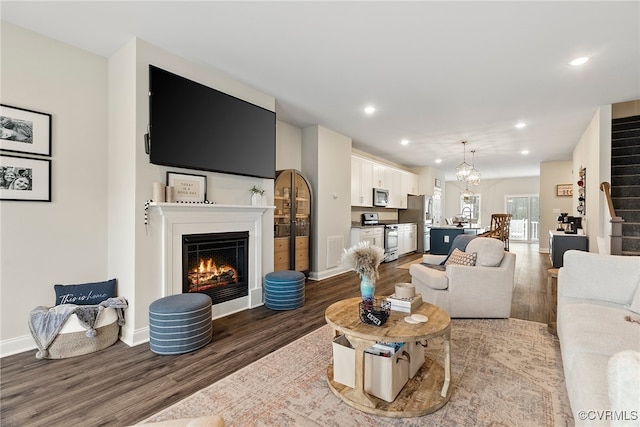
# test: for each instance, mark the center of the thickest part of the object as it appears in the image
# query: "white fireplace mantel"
(170, 221)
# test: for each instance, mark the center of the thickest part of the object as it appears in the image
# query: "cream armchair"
(481, 291)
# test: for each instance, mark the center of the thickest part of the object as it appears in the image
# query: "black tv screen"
(196, 127)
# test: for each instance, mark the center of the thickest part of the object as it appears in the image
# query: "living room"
(94, 228)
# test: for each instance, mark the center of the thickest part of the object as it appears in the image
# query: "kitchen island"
(442, 236)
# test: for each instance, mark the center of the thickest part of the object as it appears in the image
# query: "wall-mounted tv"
(196, 127)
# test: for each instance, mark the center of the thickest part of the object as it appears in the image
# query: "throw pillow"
(85, 293)
(462, 258)
(635, 302)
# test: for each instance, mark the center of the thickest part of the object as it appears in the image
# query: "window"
(470, 207)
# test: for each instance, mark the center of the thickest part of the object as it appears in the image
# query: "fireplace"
(216, 264)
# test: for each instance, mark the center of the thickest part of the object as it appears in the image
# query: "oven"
(390, 242)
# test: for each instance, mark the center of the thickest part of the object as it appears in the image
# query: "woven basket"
(77, 343)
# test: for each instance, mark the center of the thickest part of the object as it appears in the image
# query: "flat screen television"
(193, 126)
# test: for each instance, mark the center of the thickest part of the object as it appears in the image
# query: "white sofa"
(481, 291)
(600, 349)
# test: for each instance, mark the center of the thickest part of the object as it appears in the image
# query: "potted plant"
(256, 196)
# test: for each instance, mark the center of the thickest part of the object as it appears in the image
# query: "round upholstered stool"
(180, 323)
(284, 290)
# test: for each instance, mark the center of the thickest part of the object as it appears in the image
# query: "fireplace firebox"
(216, 264)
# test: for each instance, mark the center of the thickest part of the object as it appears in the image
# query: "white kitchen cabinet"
(407, 238)
(361, 182)
(372, 234)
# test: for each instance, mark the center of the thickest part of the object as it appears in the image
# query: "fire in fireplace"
(216, 264)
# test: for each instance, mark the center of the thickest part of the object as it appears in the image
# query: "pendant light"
(463, 170)
(474, 175)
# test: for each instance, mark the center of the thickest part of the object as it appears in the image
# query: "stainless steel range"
(390, 235)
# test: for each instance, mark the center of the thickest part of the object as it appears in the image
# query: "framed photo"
(563, 190)
(187, 187)
(25, 131)
(438, 183)
(25, 179)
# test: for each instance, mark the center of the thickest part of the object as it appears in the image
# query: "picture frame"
(188, 187)
(564, 190)
(25, 179)
(438, 183)
(25, 131)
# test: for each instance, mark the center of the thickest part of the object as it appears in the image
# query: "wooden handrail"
(605, 187)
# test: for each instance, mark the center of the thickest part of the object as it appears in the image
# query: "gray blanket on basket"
(45, 323)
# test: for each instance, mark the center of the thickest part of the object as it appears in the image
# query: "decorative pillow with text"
(458, 257)
(85, 293)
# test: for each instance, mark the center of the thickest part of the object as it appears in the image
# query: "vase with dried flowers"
(365, 259)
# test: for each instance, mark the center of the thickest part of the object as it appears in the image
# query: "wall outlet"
(446, 239)
(556, 210)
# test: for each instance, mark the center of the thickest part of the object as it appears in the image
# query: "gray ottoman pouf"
(284, 290)
(180, 323)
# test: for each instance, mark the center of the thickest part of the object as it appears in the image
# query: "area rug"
(406, 265)
(505, 372)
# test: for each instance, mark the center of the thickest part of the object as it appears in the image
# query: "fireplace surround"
(169, 222)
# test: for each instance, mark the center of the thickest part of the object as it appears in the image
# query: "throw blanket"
(45, 323)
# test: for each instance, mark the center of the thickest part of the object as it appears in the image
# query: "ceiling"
(438, 73)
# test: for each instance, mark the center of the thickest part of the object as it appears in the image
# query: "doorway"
(525, 220)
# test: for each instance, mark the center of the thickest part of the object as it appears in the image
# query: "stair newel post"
(616, 221)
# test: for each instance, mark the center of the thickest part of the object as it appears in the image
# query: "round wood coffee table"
(426, 392)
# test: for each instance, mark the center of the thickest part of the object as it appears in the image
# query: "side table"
(552, 300)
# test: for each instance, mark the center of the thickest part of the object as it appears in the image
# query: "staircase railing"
(616, 221)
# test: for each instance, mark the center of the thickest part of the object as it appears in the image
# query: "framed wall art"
(564, 190)
(187, 187)
(25, 131)
(25, 179)
(438, 184)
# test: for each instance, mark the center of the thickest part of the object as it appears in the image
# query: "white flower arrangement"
(364, 259)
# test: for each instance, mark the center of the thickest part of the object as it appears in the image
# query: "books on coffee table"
(406, 305)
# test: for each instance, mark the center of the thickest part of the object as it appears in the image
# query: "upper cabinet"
(367, 175)
(361, 180)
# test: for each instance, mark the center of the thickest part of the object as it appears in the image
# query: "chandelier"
(474, 176)
(463, 170)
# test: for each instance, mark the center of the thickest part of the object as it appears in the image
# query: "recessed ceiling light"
(579, 61)
(404, 142)
(521, 125)
(369, 109)
(524, 152)
(438, 160)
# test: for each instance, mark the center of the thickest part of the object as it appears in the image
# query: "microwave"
(380, 197)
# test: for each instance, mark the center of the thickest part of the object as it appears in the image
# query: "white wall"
(64, 241)
(326, 162)
(593, 152)
(492, 192)
(288, 146)
(552, 174)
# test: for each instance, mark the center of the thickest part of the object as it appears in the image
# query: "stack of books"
(384, 349)
(407, 305)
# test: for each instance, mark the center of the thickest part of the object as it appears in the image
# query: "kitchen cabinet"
(442, 237)
(372, 234)
(367, 174)
(559, 243)
(361, 182)
(407, 238)
(292, 221)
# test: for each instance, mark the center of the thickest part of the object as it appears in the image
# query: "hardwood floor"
(122, 385)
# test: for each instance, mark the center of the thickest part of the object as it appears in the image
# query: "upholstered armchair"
(483, 290)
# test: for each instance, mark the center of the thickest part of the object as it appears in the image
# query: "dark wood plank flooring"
(122, 385)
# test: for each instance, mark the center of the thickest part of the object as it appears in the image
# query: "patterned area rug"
(505, 372)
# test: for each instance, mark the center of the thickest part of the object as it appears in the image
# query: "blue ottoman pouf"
(284, 290)
(180, 323)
